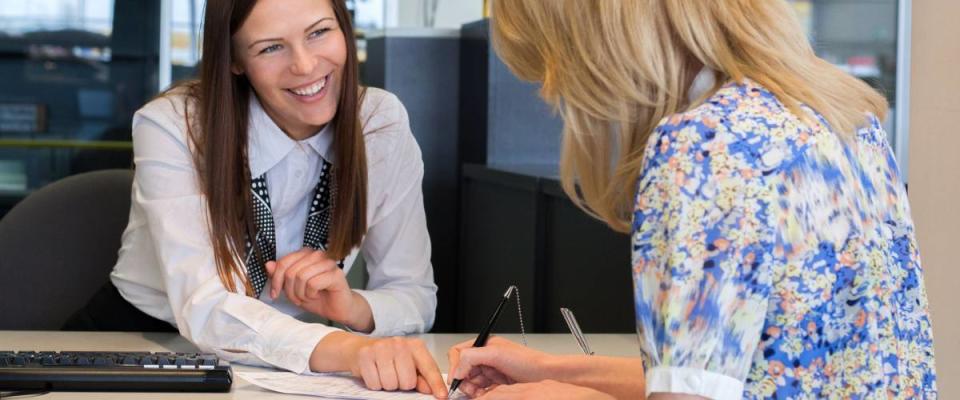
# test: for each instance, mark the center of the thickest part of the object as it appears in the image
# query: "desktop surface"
(438, 344)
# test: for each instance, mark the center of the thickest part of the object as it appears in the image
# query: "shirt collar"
(705, 80)
(267, 145)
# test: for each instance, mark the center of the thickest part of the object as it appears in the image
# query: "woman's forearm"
(336, 352)
(619, 376)
(361, 315)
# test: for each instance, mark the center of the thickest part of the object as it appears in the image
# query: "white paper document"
(333, 386)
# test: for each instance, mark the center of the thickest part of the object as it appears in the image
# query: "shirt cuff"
(298, 345)
(693, 381)
(389, 317)
(278, 339)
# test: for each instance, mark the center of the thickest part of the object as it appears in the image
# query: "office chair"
(58, 246)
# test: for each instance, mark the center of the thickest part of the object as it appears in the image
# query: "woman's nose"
(303, 62)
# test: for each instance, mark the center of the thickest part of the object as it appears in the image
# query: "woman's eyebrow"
(278, 39)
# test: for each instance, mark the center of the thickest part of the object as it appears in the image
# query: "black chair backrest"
(58, 246)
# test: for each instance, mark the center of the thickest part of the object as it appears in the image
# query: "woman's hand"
(315, 283)
(543, 390)
(500, 367)
(394, 363)
(500, 362)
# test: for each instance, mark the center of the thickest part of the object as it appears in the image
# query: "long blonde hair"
(615, 68)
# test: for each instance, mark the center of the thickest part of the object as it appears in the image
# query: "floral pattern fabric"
(771, 250)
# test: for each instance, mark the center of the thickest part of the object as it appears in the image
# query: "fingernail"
(273, 294)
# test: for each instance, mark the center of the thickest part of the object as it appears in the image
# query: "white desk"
(615, 345)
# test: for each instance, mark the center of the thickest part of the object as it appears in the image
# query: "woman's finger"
(276, 278)
(496, 377)
(406, 367)
(278, 270)
(453, 360)
(427, 368)
(423, 386)
(301, 285)
(290, 275)
(469, 388)
(322, 282)
(480, 380)
(385, 367)
(368, 368)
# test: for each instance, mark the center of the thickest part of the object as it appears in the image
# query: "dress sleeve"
(701, 249)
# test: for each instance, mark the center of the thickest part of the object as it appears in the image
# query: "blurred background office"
(73, 72)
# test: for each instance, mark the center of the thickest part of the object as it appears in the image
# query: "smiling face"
(293, 53)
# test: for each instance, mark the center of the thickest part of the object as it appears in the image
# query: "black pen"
(485, 333)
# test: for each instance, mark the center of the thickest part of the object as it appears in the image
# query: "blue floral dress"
(774, 259)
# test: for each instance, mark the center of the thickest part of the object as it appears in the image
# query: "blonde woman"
(773, 250)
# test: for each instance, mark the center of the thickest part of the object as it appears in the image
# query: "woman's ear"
(236, 68)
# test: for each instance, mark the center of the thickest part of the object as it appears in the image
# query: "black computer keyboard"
(113, 371)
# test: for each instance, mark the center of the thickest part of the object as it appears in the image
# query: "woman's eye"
(319, 32)
(270, 49)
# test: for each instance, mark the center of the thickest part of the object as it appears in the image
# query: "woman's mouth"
(310, 91)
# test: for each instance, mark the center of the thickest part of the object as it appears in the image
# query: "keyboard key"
(102, 361)
(28, 356)
(83, 360)
(193, 360)
(19, 360)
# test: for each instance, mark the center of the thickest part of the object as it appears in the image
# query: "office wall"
(935, 173)
(446, 14)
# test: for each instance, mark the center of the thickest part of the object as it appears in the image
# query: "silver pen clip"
(575, 330)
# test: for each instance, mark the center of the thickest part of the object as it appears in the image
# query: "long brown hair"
(615, 68)
(219, 136)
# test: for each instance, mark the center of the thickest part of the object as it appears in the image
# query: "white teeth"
(310, 90)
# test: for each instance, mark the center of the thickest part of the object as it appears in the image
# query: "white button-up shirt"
(166, 266)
